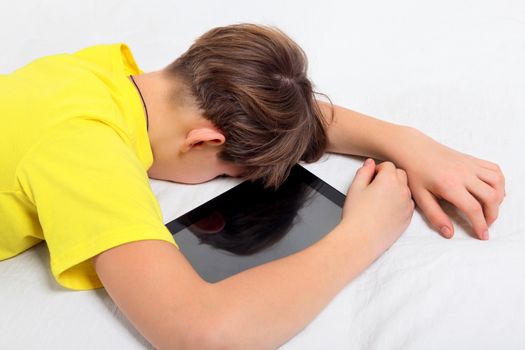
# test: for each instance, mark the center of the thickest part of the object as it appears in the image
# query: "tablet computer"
(249, 225)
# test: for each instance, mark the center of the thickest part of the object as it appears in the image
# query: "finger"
(402, 175)
(488, 197)
(494, 179)
(488, 165)
(429, 205)
(385, 165)
(471, 207)
(364, 174)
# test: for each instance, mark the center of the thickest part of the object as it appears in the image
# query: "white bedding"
(453, 69)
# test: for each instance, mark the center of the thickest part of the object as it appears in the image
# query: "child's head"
(251, 82)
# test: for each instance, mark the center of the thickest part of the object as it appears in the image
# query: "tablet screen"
(249, 225)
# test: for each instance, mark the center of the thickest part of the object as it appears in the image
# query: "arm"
(354, 133)
(475, 186)
(262, 307)
(165, 299)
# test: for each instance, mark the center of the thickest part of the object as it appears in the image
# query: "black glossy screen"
(249, 225)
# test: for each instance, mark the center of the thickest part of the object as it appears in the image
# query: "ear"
(200, 136)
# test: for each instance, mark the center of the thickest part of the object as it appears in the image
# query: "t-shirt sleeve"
(91, 194)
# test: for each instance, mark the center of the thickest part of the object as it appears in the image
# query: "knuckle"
(448, 185)
(387, 164)
(500, 179)
(492, 196)
(449, 181)
(475, 208)
(491, 165)
(493, 217)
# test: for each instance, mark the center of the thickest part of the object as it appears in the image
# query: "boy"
(82, 132)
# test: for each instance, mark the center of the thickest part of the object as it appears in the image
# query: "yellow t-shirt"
(74, 154)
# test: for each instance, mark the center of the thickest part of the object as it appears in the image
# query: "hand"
(475, 186)
(378, 210)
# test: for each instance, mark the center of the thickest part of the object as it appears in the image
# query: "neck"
(154, 90)
(171, 117)
(164, 124)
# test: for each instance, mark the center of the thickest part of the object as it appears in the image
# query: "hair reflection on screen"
(256, 221)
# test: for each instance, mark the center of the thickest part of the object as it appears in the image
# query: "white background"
(453, 69)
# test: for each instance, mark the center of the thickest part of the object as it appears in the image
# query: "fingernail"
(486, 235)
(445, 231)
(368, 161)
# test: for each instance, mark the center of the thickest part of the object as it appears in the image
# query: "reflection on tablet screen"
(249, 225)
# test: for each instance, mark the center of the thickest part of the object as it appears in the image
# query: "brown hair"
(251, 82)
(250, 226)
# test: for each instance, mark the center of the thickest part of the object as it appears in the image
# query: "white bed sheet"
(453, 69)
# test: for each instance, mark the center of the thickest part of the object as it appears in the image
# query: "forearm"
(265, 306)
(354, 133)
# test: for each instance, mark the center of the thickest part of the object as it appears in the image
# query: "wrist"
(408, 147)
(359, 241)
(393, 142)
